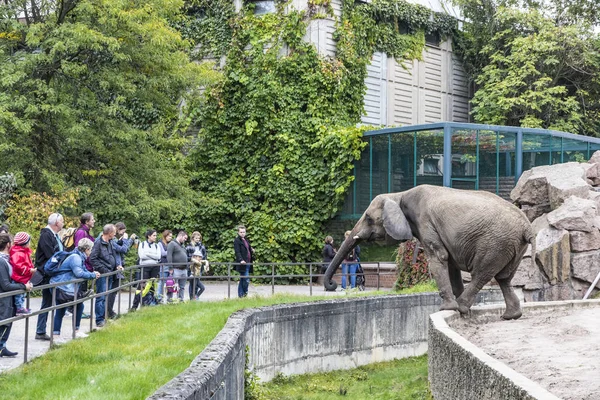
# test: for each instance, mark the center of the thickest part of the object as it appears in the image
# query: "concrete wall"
(302, 338)
(460, 370)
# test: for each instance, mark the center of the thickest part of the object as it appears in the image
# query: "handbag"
(63, 297)
(36, 278)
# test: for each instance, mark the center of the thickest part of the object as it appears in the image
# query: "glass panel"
(556, 144)
(380, 164)
(507, 143)
(465, 185)
(464, 153)
(536, 150)
(403, 158)
(593, 148)
(264, 7)
(362, 181)
(430, 157)
(488, 161)
(574, 150)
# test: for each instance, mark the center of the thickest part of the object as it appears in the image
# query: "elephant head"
(383, 220)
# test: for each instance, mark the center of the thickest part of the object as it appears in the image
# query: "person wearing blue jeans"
(48, 244)
(244, 255)
(167, 236)
(104, 260)
(350, 265)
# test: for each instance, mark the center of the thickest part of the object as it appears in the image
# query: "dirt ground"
(559, 350)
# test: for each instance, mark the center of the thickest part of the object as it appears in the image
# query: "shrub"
(411, 273)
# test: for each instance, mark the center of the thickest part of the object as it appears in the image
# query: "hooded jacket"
(20, 259)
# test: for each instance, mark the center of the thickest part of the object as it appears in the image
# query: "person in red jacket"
(23, 269)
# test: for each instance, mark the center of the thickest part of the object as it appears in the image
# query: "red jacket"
(20, 260)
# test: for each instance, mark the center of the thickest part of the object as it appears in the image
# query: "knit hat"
(197, 253)
(22, 238)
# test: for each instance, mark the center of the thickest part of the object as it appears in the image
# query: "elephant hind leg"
(513, 306)
(438, 265)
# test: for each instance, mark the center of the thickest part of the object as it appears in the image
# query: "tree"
(89, 98)
(530, 67)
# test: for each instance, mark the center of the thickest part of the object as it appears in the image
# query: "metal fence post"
(310, 278)
(52, 316)
(273, 279)
(228, 280)
(378, 275)
(26, 347)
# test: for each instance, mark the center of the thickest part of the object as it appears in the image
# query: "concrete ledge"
(306, 337)
(460, 370)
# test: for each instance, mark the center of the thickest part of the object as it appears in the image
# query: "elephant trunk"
(350, 243)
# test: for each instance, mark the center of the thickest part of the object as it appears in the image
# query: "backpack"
(52, 266)
(68, 239)
(170, 285)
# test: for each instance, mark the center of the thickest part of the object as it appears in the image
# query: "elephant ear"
(395, 222)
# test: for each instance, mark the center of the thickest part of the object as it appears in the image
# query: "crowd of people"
(167, 266)
(78, 255)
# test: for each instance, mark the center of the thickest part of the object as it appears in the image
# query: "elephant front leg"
(439, 270)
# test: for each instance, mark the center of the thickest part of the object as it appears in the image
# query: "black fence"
(130, 278)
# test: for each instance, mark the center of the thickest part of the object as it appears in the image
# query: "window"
(263, 6)
(433, 39)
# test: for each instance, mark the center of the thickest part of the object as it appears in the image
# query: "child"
(171, 286)
(145, 294)
(23, 269)
(197, 267)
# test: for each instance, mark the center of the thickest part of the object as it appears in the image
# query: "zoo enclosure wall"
(304, 338)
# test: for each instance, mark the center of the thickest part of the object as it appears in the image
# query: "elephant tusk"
(356, 237)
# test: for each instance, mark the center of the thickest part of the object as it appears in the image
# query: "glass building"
(458, 155)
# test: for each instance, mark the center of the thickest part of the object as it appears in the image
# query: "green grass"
(132, 357)
(404, 379)
(423, 287)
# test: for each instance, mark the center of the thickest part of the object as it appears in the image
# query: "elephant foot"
(512, 314)
(463, 309)
(449, 305)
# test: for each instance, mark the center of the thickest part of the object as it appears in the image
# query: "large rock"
(533, 212)
(585, 241)
(586, 266)
(551, 184)
(593, 174)
(554, 254)
(528, 276)
(576, 214)
(595, 197)
(595, 157)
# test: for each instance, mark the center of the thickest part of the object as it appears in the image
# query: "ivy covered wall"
(277, 136)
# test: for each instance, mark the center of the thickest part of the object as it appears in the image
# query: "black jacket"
(7, 304)
(328, 253)
(47, 246)
(241, 254)
(103, 256)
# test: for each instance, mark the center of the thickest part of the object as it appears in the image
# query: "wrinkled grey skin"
(472, 231)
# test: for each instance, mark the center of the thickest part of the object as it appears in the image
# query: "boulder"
(575, 214)
(533, 212)
(528, 276)
(595, 197)
(540, 223)
(554, 254)
(586, 266)
(595, 157)
(551, 184)
(585, 241)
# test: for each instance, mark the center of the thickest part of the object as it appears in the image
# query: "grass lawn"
(132, 357)
(404, 379)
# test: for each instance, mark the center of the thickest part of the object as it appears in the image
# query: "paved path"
(214, 292)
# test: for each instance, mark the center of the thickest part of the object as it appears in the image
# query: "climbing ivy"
(278, 135)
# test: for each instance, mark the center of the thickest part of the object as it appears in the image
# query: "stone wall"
(563, 203)
(460, 370)
(302, 338)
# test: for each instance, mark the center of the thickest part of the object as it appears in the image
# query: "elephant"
(473, 231)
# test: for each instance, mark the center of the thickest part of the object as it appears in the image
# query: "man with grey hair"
(104, 260)
(48, 244)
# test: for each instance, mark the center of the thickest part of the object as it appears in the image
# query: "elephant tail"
(531, 239)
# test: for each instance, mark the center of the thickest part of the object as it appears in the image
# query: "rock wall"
(563, 203)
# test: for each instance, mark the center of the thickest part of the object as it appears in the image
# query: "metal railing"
(135, 279)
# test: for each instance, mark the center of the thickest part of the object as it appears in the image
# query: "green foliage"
(397, 379)
(277, 136)
(411, 271)
(89, 96)
(532, 67)
(8, 185)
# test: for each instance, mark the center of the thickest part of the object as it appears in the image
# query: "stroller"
(360, 278)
